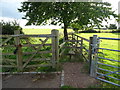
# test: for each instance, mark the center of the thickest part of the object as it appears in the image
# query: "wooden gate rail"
(27, 45)
(79, 45)
(62, 48)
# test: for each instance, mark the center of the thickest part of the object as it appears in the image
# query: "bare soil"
(31, 81)
(77, 76)
(74, 75)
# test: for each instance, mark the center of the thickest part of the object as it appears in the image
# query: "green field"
(42, 31)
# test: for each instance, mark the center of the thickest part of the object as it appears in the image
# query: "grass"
(42, 31)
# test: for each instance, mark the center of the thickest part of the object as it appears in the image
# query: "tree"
(83, 13)
(8, 28)
(112, 26)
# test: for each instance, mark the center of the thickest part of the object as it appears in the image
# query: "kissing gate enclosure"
(91, 52)
(25, 52)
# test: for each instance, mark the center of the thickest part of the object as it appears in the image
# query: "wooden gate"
(19, 50)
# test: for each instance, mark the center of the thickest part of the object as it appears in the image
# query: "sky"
(9, 12)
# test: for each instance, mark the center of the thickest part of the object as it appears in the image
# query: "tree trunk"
(65, 32)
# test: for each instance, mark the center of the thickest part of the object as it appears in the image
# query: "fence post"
(81, 47)
(93, 62)
(77, 43)
(19, 50)
(55, 47)
(90, 53)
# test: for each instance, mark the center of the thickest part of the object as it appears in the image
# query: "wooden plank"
(25, 53)
(41, 35)
(8, 54)
(7, 46)
(5, 41)
(3, 73)
(5, 35)
(41, 59)
(27, 61)
(61, 45)
(62, 52)
(82, 38)
(36, 59)
(85, 58)
(8, 60)
(27, 45)
(8, 66)
(30, 35)
(39, 65)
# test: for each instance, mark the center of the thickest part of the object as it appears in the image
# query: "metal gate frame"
(94, 61)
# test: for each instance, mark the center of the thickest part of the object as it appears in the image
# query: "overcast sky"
(10, 12)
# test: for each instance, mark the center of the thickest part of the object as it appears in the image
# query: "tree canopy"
(82, 13)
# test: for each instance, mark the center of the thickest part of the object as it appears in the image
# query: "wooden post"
(77, 41)
(93, 64)
(81, 47)
(90, 53)
(55, 47)
(19, 51)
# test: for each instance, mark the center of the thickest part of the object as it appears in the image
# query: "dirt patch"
(75, 76)
(31, 81)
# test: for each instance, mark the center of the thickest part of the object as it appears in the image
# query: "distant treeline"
(100, 31)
